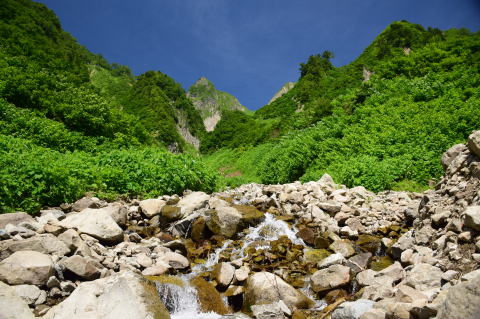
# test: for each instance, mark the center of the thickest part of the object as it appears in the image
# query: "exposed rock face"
(123, 295)
(26, 267)
(285, 88)
(95, 222)
(264, 288)
(211, 102)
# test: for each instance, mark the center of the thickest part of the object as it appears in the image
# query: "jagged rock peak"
(285, 88)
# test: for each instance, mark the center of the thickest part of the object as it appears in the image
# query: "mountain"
(98, 128)
(285, 88)
(381, 121)
(211, 103)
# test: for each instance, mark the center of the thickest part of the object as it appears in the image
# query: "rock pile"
(273, 251)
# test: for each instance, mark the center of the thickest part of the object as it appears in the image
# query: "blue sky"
(248, 48)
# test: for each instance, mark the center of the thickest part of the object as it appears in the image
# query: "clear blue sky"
(248, 48)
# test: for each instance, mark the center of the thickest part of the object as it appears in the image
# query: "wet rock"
(199, 229)
(307, 235)
(333, 277)
(223, 273)
(209, 298)
(352, 309)
(83, 267)
(404, 242)
(335, 259)
(359, 262)
(315, 255)
(123, 295)
(265, 287)
(224, 221)
(26, 267)
(14, 219)
(53, 282)
(171, 213)
(174, 260)
(95, 222)
(343, 247)
(12, 306)
(472, 216)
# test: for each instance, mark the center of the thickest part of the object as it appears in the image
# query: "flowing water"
(182, 302)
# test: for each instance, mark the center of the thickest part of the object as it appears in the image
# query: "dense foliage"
(388, 132)
(71, 123)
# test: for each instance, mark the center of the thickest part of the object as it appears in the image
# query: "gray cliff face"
(212, 102)
(285, 88)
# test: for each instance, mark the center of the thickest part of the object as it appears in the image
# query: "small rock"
(333, 277)
(352, 309)
(343, 247)
(223, 274)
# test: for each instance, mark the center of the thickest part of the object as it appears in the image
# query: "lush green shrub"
(33, 176)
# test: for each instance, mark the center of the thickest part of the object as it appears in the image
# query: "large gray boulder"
(26, 267)
(15, 219)
(266, 288)
(152, 207)
(330, 278)
(44, 243)
(462, 301)
(95, 222)
(84, 267)
(123, 295)
(352, 309)
(473, 143)
(12, 306)
(193, 201)
(224, 221)
(472, 217)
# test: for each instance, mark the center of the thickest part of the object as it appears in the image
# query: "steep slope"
(387, 132)
(211, 103)
(285, 88)
(70, 122)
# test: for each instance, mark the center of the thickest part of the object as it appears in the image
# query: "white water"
(182, 302)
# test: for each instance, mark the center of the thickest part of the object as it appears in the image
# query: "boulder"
(26, 267)
(472, 217)
(268, 311)
(152, 207)
(118, 212)
(473, 143)
(95, 222)
(84, 267)
(265, 288)
(223, 273)
(14, 219)
(122, 295)
(224, 221)
(343, 247)
(451, 153)
(86, 202)
(424, 277)
(12, 306)
(31, 294)
(43, 243)
(352, 309)
(193, 201)
(332, 277)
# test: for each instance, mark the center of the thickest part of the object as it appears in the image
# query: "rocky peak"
(285, 88)
(212, 102)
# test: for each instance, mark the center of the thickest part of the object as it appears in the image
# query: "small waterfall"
(182, 301)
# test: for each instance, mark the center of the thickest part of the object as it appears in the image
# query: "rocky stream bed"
(312, 250)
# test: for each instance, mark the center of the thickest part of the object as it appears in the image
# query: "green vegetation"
(208, 100)
(72, 123)
(387, 133)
